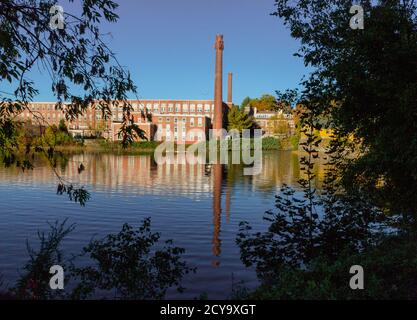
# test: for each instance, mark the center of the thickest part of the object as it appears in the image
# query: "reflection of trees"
(278, 168)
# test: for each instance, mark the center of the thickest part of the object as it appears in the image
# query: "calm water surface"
(199, 207)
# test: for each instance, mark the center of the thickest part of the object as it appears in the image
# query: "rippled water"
(199, 207)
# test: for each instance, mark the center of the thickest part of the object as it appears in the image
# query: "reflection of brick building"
(182, 121)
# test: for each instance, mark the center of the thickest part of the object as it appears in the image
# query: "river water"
(198, 206)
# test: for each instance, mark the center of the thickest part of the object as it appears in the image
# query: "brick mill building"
(182, 121)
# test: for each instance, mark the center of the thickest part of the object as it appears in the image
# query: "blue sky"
(168, 47)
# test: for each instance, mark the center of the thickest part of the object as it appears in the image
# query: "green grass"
(268, 144)
(271, 144)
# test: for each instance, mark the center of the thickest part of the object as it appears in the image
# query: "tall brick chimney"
(230, 89)
(218, 84)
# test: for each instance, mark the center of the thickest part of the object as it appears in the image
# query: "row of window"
(183, 137)
(268, 116)
(50, 116)
(264, 116)
(168, 129)
(170, 107)
(47, 116)
(183, 121)
(156, 107)
(45, 107)
(115, 117)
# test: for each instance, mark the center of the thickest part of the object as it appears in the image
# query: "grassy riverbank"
(101, 145)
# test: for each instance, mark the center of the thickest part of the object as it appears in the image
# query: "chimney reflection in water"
(217, 176)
